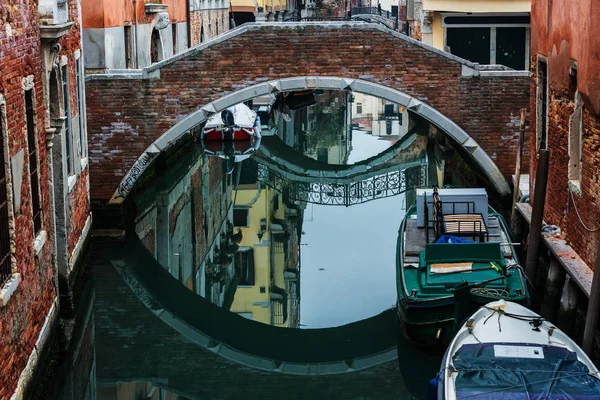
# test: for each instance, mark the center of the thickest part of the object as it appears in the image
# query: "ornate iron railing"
(345, 194)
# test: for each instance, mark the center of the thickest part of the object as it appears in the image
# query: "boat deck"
(415, 239)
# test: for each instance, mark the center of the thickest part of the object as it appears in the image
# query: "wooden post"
(554, 285)
(537, 216)
(517, 183)
(591, 321)
(568, 304)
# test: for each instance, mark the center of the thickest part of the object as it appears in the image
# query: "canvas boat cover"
(556, 374)
(243, 116)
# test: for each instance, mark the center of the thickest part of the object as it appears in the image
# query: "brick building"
(134, 35)
(565, 116)
(44, 196)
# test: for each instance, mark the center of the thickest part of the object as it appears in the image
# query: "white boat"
(506, 351)
(237, 122)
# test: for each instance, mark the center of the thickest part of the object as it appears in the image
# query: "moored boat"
(454, 254)
(506, 351)
(238, 122)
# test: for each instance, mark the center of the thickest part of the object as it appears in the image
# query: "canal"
(266, 269)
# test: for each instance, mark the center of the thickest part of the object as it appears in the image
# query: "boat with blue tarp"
(506, 351)
(454, 254)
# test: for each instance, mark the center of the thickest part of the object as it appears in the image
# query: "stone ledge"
(9, 288)
(38, 243)
(565, 254)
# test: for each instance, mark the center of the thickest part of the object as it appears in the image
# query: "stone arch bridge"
(135, 115)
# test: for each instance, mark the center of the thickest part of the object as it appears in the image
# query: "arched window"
(202, 34)
(156, 53)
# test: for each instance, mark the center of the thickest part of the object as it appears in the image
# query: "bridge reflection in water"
(202, 297)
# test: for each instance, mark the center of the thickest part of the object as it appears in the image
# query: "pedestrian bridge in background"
(135, 116)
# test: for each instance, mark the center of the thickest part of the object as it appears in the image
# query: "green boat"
(454, 254)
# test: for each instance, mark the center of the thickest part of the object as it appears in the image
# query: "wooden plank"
(445, 268)
(565, 254)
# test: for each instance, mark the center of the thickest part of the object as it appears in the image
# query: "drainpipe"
(135, 41)
(188, 16)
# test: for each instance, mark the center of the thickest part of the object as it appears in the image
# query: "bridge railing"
(373, 11)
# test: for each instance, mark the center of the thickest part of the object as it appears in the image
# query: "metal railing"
(373, 11)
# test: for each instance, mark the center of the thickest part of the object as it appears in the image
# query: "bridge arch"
(196, 118)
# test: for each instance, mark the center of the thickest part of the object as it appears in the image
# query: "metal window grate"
(33, 164)
(80, 109)
(68, 133)
(5, 262)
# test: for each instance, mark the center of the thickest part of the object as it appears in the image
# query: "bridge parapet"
(134, 116)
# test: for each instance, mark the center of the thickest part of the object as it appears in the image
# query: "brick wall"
(127, 115)
(564, 45)
(22, 318)
(21, 55)
(202, 18)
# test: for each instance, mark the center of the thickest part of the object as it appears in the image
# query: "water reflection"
(298, 232)
(233, 232)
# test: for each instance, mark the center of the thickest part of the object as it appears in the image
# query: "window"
(472, 44)
(36, 207)
(5, 261)
(128, 47)
(201, 34)
(67, 115)
(575, 128)
(240, 217)
(81, 109)
(359, 108)
(155, 47)
(542, 105)
(244, 267)
(510, 47)
(323, 155)
(174, 32)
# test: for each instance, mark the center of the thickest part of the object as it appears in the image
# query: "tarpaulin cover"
(559, 375)
(452, 239)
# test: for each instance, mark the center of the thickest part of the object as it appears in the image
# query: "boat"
(454, 254)
(232, 152)
(506, 351)
(237, 122)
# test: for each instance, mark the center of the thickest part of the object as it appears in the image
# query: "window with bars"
(80, 108)
(67, 115)
(244, 267)
(36, 206)
(5, 261)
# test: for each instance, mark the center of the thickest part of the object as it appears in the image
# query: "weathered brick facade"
(570, 52)
(125, 116)
(211, 22)
(22, 318)
(26, 55)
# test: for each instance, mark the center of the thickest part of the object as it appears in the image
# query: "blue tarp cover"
(452, 239)
(559, 375)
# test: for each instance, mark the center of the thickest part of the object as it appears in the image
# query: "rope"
(579, 216)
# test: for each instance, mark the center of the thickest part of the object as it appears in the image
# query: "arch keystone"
(274, 87)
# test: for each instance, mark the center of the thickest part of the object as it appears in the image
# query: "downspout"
(135, 41)
(188, 16)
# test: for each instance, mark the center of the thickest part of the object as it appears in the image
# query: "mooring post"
(554, 285)
(537, 216)
(591, 320)
(568, 305)
(517, 183)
